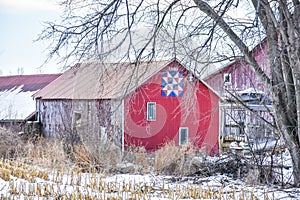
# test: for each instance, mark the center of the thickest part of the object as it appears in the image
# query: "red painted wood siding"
(197, 110)
(242, 76)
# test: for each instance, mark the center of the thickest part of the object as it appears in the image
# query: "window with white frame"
(183, 135)
(151, 111)
(227, 78)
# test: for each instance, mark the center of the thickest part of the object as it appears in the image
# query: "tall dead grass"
(47, 152)
(174, 160)
(10, 144)
(40, 151)
(139, 156)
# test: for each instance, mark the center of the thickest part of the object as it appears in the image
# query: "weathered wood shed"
(141, 104)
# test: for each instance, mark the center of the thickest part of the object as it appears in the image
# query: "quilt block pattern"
(172, 84)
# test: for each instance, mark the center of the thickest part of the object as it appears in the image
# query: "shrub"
(10, 144)
(139, 156)
(173, 160)
(97, 154)
(46, 152)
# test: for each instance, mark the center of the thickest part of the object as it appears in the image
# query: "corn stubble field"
(22, 181)
(42, 171)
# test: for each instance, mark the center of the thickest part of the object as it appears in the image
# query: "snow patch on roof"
(16, 104)
(251, 91)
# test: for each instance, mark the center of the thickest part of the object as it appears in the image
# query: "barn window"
(151, 111)
(227, 78)
(77, 119)
(183, 135)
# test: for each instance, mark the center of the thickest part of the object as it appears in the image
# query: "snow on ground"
(126, 186)
(21, 181)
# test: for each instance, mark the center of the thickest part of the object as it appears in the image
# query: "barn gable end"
(184, 109)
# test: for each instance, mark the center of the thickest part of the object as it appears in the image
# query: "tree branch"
(204, 7)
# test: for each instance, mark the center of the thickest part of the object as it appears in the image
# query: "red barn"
(239, 86)
(172, 105)
(238, 75)
(144, 104)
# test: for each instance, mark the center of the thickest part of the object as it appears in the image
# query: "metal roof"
(100, 80)
(16, 102)
(28, 82)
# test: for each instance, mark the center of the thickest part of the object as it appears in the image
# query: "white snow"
(163, 187)
(251, 91)
(16, 104)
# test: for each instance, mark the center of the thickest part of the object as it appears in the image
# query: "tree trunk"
(290, 137)
(284, 64)
(296, 164)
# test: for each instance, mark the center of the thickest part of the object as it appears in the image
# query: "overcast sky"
(21, 21)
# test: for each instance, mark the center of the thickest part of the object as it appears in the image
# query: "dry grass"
(166, 159)
(43, 152)
(82, 156)
(102, 155)
(46, 153)
(51, 153)
(140, 157)
(10, 144)
(173, 160)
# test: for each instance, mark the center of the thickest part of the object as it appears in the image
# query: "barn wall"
(196, 109)
(242, 75)
(71, 118)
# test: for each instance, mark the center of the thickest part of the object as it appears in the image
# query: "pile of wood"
(234, 166)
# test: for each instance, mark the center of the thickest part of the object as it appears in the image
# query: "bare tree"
(280, 20)
(188, 29)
